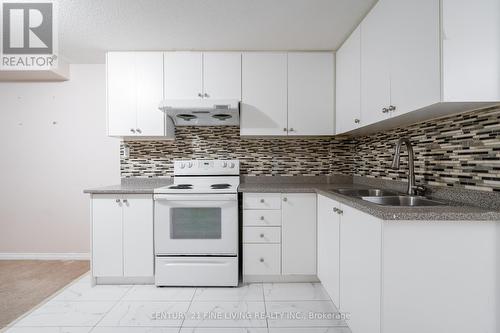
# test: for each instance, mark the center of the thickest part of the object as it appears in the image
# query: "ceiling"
(89, 28)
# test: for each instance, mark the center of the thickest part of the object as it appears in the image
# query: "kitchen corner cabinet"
(287, 94)
(122, 236)
(384, 272)
(192, 75)
(279, 237)
(134, 85)
(417, 61)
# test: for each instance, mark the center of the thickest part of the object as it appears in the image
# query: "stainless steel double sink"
(388, 198)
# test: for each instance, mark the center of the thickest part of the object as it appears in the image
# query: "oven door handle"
(196, 197)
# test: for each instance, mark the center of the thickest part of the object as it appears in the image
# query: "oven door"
(192, 224)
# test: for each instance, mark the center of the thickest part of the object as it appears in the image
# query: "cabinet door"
(264, 94)
(310, 93)
(375, 71)
(222, 75)
(121, 93)
(329, 247)
(348, 84)
(138, 255)
(360, 269)
(299, 233)
(107, 259)
(183, 75)
(149, 73)
(415, 54)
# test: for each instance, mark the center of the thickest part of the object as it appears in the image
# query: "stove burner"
(220, 186)
(182, 187)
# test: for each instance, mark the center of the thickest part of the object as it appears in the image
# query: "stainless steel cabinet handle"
(340, 212)
(138, 131)
(284, 129)
(261, 200)
(385, 110)
(291, 129)
(262, 218)
(200, 95)
(392, 108)
(261, 259)
(206, 95)
(335, 209)
(132, 130)
(125, 201)
(261, 235)
(356, 121)
(285, 199)
(117, 200)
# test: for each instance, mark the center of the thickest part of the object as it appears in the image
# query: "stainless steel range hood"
(202, 112)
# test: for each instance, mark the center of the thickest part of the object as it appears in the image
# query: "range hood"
(202, 112)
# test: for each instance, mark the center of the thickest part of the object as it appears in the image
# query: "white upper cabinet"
(222, 75)
(264, 93)
(471, 50)
(414, 54)
(287, 93)
(375, 67)
(418, 55)
(190, 75)
(134, 91)
(183, 75)
(310, 93)
(348, 84)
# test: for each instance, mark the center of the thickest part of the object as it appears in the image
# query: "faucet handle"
(419, 190)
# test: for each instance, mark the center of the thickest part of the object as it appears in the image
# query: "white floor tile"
(248, 292)
(153, 293)
(136, 330)
(85, 292)
(49, 330)
(298, 314)
(223, 330)
(146, 313)
(310, 330)
(66, 314)
(295, 292)
(232, 314)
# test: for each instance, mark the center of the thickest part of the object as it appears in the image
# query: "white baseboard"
(44, 256)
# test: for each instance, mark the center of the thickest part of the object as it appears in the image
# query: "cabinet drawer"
(261, 235)
(261, 259)
(261, 218)
(262, 201)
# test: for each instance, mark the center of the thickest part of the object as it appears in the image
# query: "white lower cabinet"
(329, 247)
(409, 276)
(273, 226)
(360, 269)
(299, 227)
(122, 235)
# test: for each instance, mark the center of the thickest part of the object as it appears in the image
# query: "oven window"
(196, 223)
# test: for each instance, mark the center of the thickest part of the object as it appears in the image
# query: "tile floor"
(254, 308)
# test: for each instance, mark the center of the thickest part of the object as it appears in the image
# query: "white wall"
(44, 167)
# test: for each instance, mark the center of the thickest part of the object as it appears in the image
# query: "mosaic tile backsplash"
(269, 156)
(461, 150)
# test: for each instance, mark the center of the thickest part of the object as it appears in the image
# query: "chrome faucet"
(412, 188)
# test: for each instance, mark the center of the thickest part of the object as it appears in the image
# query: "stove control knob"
(183, 165)
(231, 165)
(224, 164)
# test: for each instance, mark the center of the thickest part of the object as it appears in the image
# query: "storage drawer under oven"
(196, 271)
